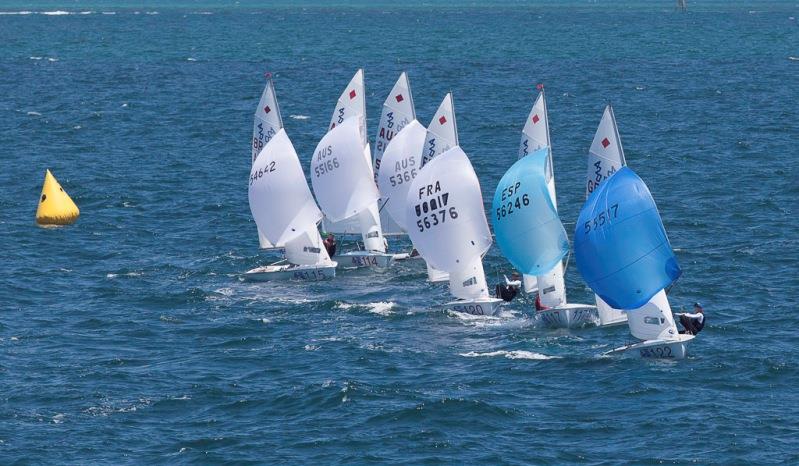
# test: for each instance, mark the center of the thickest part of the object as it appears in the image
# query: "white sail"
(401, 164)
(280, 201)
(341, 177)
(442, 132)
(469, 282)
(535, 134)
(398, 111)
(653, 321)
(267, 120)
(307, 248)
(445, 215)
(605, 157)
(352, 104)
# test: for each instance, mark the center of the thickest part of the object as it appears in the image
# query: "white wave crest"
(55, 13)
(299, 117)
(518, 354)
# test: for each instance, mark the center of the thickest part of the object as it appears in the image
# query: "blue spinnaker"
(620, 244)
(526, 223)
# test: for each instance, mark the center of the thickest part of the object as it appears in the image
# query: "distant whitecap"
(299, 117)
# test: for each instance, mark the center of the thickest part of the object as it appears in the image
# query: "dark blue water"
(130, 337)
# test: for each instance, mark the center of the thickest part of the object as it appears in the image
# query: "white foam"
(151, 12)
(24, 12)
(36, 58)
(55, 13)
(52, 59)
(518, 354)
(34, 114)
(793, 58)
(191, 59)
(59, 418)
(311, 347)
(381, 308)
(299, 117)
(109, 12)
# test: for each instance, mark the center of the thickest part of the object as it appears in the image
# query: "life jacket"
(700, 325)
(507, 293)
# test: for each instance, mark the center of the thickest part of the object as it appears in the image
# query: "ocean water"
(130, 336)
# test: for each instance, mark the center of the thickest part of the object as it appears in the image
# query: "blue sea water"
(130, 337)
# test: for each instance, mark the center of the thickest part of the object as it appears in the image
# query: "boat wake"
(518, 354)
(380, 308)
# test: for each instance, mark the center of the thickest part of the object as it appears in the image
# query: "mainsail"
(398, 111)
(442, 132)
(620, 243)
(447, 223)
(282, 204)
(267, 123)
(605, 157)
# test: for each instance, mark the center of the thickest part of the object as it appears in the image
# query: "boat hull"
(291, 272)
(568, 316)
(364, 259)
(480, 307)
(656, 349)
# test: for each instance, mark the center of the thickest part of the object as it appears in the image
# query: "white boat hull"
(291, 272)
(657, 349)
(362, 259)
(568, 316)
(480, 307)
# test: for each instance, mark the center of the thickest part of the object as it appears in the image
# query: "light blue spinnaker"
(620, 244)
(526, 223)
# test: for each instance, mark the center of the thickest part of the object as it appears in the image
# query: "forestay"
(445, 215)
(526, 223)
(401, 164)
(442, 132)
(280, 201)
(398, 111)
(620, 244)
(340, 175)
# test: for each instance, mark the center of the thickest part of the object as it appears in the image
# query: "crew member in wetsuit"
(505, 291)
(330, 244)
(693, 322)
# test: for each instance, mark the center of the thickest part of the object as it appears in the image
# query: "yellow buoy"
(55, 205)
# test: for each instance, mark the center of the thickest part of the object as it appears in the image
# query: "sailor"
(507, 291)
(538, 305)
(330, 244)
(693, 322)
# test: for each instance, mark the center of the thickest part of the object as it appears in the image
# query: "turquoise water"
(130, 338)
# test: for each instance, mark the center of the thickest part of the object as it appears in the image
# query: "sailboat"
(528, 228)
(624, 255)
(343, 180)
(442, 135)
(282, 204)
(398, 112)
(448, 226)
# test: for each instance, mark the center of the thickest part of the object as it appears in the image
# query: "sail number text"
(325, 162)
(601, 218)
(255, 176)
(433, 211)
(509, 204)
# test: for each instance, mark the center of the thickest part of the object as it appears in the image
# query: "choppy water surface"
(129, 337)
